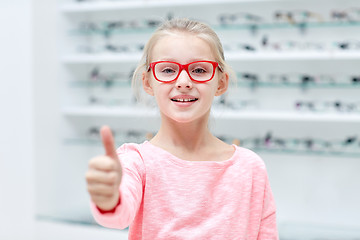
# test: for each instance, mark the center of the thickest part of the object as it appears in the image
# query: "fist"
(104, 174)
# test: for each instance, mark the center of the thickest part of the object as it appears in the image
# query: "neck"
(189, 136)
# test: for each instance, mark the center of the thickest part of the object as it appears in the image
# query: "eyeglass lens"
(168, 71)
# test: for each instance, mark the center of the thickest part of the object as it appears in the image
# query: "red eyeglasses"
(198, 71)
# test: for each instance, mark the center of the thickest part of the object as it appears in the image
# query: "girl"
(184, 183)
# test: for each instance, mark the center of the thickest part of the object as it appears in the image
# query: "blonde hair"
(171, 27)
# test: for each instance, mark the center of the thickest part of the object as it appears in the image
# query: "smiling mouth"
(184, 99)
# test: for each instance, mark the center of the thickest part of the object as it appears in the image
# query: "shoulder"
(128, 148)
(131, 154)
(133, 149)
(250, 158)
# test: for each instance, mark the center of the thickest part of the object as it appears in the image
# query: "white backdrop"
(16, 151)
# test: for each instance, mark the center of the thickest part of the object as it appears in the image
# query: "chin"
(186, 116)
(182, 120)
(189, 119)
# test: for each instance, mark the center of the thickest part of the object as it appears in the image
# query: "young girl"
(184, 183)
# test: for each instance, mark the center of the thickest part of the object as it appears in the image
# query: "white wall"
(16, 151)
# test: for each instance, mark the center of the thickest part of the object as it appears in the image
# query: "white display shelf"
(287, 116)
(100, 58)
(88, 7)
(261, 56)
(84, 7)
(97, 111)
(221, 114)
(293, 56)
(308, 231)
(59, 230)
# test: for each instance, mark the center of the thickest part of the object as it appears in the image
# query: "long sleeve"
(268, 228)
(131, 191)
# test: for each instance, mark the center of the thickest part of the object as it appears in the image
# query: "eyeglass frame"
(186, 67)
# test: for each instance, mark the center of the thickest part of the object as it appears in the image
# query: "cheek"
(212, 88)
(207, 94)
(161, 91)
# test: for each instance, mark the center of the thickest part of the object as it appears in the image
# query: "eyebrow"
(189, 60)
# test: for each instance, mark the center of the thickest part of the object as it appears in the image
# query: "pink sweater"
(164, 197)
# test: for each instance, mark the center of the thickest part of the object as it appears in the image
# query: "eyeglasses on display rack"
(129, 135)
(306, 80)
(348, 45)
(116, 49)
(110, 79)
(346, 146)
(107, 28)
(296, 16)
(238, 18)
(299, 18)
(91, 136)
(112, 48)
(236, 46)
(300, 80)
(337, 105)
(265, 44)
(347, 15)
(97, 78)
(278, 80)
(198, 71)
(292, 45)
(236, 104)
(97, 75)
(248, 20)
(355, 79)
(110, 102)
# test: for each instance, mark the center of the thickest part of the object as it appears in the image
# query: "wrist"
(110, 210)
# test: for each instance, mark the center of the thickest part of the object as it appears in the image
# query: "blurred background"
(66, 67)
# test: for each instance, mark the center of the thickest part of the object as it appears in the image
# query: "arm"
(130, 192)
(268, 229)
(115, 186)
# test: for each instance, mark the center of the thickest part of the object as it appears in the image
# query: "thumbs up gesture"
(104, 174)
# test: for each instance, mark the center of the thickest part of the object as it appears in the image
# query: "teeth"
(184, 100)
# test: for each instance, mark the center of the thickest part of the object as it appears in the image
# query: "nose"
(183, 81)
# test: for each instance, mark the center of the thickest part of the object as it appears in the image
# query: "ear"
(222, 84)
(146, 84)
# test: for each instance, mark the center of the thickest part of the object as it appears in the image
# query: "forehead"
(182, 48)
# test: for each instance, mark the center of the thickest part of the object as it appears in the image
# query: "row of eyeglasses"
(267, 141)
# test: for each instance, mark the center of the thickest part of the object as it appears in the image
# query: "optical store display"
(296, 94)
(263, 43)
(347, 146)
(103, 37)
(98, 78)
(335, 105)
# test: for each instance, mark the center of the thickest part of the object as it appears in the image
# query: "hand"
(104, 174)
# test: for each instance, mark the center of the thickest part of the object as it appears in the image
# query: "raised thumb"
(108, 142)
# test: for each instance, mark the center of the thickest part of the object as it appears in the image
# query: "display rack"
(101, 43)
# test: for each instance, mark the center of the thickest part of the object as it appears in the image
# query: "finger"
(95, 177)
(108, 142)
(99, 198)
(103, 163)
(101, 190)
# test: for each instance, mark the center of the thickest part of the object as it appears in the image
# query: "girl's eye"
(168, 70)
(199, 70)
